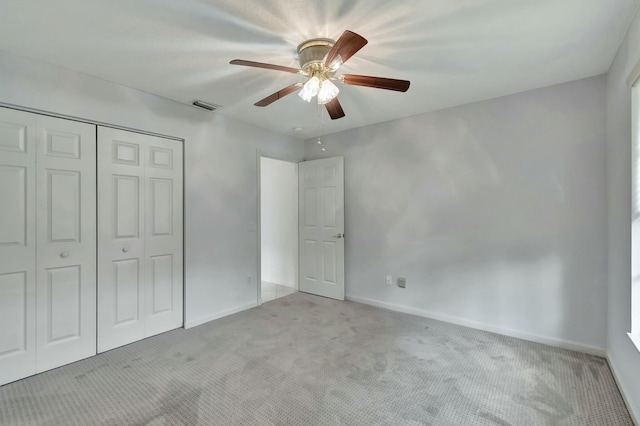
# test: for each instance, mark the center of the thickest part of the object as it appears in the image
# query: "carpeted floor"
(305, 360)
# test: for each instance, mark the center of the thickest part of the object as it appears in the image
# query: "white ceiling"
(454, 52)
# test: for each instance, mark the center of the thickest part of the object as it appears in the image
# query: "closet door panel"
(163, 229)
(17, 245)
(140, 237)
(121, 258)
(66, 256)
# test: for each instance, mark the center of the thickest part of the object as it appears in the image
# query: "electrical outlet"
(402, 282)
(249, 279)
(389, 280)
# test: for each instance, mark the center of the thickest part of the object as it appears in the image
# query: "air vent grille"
(205, 105)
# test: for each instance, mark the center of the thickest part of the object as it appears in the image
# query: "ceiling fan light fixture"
(310, 89)
(319, 60)
(328, 91)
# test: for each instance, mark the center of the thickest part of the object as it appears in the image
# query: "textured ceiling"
(454, 52)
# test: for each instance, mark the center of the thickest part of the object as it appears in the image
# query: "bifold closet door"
(140, 284)
(48, 258)
(17, 245)
(120, 239)
(66, 241)
(163, 236)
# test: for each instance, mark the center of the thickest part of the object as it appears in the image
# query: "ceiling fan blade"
(377, 82)
(334, 109)
(346, 46)
(278, 95)
(263, 65)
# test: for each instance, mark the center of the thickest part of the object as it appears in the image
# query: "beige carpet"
(306, 360)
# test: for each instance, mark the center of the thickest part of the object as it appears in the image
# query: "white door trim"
(88, 121)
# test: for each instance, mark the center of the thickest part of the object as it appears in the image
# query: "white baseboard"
(221, 314)
(551, 341)
(634, 410)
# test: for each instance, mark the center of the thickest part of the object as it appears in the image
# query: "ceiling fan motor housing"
(311, 54)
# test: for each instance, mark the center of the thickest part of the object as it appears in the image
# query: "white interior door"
(321, 219)
(163, 235)
(66, 241)
(17, 245)
(121, 232)
(140, 285)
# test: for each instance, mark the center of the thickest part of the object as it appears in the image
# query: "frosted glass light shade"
(328, 91)
(310, 89)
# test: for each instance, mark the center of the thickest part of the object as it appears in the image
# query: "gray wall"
(495, 212)
(220, 172)
(624, 357)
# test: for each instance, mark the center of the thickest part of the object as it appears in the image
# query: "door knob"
(64, 254)
(125, 249)
(338, 236)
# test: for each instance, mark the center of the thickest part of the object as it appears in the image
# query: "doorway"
(278, 229)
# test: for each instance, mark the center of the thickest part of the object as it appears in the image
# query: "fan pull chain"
(321, 116)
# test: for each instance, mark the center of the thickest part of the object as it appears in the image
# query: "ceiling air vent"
(205, 105)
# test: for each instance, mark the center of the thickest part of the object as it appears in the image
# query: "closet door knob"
(125, 249)
(64, 254)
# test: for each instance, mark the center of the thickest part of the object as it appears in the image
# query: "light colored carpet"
(305, 360)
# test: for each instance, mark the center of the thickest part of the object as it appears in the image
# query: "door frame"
(259, 155)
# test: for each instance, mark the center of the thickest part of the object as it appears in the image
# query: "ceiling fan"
(320, 59)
